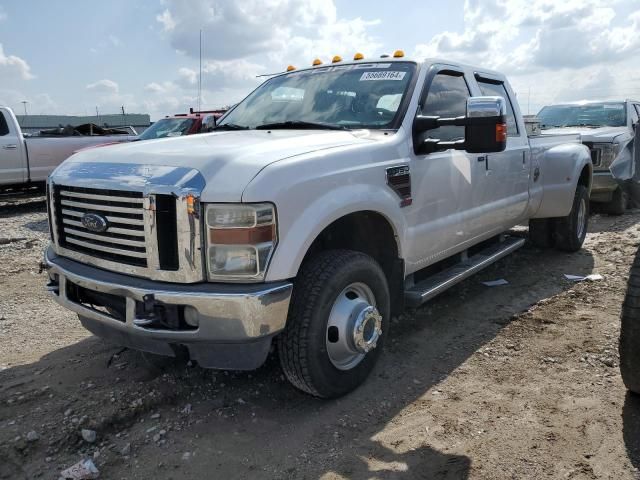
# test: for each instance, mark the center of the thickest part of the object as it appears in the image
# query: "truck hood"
(227, 161)
(589, 134)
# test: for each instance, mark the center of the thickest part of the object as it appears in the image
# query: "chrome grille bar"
(106, 198)
(105, 208)
(128, 221)
(121, 231)
(101, 238)
(102, 248)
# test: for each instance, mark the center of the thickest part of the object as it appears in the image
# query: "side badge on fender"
(399, 179)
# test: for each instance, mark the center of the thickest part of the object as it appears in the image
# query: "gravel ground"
(516, 381)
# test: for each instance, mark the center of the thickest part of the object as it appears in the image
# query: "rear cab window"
(495, 88)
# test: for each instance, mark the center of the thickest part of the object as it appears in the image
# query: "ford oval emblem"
(94, 222)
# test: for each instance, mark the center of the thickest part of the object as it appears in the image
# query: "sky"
(76, 56)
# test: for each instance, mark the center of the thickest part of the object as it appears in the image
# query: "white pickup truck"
(26, 162)
(326, 201)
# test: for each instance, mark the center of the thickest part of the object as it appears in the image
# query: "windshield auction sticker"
(382, 76)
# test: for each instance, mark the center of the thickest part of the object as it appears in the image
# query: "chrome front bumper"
(235, 322)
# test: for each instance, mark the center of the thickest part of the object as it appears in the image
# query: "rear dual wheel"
(338, 319)
(564, 233)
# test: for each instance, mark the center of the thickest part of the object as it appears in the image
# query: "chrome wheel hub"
(354, 326)
(367, 329)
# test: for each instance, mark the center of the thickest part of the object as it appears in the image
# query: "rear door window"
(4, 126)
(496, 89)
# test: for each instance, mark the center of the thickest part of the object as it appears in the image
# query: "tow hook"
(146, 315)
(42, 267)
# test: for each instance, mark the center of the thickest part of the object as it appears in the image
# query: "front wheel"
(338, 319)
(569, 232)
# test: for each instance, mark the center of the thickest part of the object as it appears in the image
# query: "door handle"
(10, 147)
(485, 159)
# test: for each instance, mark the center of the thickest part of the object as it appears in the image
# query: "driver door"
(447, 185)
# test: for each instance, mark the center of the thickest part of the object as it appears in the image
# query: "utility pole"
(24, 103)
(200, 76)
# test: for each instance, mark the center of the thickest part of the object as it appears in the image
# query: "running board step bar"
(438, 283)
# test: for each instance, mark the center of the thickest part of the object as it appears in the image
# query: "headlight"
(240, 241)
(608, 153)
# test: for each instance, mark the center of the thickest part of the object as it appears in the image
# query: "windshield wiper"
(230, 126)
(583, 125)
(300, 124)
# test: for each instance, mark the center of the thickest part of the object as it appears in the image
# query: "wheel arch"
(369, 231)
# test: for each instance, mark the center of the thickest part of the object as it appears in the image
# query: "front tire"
(629, 346)
(338, 319)
(569, 232)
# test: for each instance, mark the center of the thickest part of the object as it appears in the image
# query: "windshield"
(168, 127)
(341, 96)
(589, 115)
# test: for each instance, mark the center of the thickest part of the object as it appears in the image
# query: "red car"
(182, 124)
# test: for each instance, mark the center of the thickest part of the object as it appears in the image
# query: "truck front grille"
(124, 239)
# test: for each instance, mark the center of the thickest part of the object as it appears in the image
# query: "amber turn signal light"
(501, 132)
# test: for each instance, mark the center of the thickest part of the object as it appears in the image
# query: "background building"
(35, 123)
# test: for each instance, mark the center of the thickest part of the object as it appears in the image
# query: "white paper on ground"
(579, 278)
(496, 283)
(83, 470)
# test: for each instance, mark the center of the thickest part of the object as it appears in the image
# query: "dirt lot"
(517, 381)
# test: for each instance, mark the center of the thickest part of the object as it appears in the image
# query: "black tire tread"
(564, 227)
(629, 346)
(313, 277)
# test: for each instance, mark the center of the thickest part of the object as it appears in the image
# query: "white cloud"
(160, 88)
(523, 36)
(188, 76)
(12, 67)
(166, 20)
(104, 86)
(552, 51)
(282, 30)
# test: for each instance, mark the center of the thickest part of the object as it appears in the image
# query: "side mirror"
(485, 127)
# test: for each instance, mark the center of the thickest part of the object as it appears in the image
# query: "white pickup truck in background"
(328, 199)
(28, 161)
